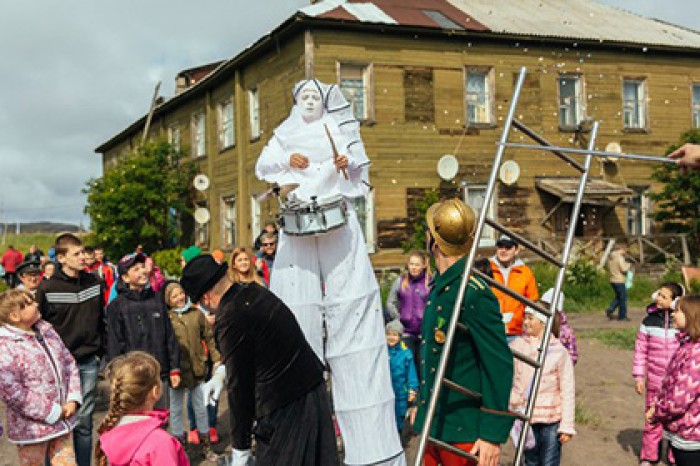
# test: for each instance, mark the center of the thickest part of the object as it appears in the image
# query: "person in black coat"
(138, 321)
(274, 377)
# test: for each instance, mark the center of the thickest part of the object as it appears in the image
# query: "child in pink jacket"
(553, 416)
(131, 433)
(677, 407)
(39, 383)
(656, 344)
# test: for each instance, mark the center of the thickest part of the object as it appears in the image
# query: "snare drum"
(314, 218)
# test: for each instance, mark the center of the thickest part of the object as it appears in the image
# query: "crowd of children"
(162, 351)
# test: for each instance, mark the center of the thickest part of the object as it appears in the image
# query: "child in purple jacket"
(677, 405)
(132, 431)
(39, 383)
(656, 343)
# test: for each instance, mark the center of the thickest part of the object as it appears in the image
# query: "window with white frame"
(254, 112)
(474, 195)
(479, 95)
(696, 105)
(638, 211)
(364, 208)
(354, 83)
(199, 142)
(174, 137)
(227, 131)
(634, 103)
(571, 111)
(228, 221)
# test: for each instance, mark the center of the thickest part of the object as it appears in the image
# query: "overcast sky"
(76, 72)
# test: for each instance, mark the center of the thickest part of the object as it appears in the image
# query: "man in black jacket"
(137, 321)
(71, 301)
(274, 376)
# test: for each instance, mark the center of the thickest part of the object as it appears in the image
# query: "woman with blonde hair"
(241, 268)
(407, 298)
(131, 432)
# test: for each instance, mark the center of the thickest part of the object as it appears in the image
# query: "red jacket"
(11, 259)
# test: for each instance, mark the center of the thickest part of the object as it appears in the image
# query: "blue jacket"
(403, 378)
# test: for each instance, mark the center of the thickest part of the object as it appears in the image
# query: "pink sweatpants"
(653, 434)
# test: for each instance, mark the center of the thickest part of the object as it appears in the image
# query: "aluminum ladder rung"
(460, 389)
(526, 359)
(452, 449)
(539, 139)
(525, 242)
(512, 294)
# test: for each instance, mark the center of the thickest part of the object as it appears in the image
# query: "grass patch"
(594, 293)
(23, 241)
(623, 338)
(585, 417)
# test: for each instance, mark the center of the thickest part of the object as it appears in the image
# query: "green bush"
(169, 261)
(587, 289)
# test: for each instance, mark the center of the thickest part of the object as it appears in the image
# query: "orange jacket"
(521, 280)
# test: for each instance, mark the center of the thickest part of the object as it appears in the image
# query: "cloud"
(76, 72)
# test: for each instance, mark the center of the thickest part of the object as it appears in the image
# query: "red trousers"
(437, 457)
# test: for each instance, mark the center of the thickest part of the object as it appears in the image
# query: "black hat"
(200, 275)
(29, 267)
(128, 261)
(506, 241)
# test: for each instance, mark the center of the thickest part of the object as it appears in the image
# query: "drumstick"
(335, 150)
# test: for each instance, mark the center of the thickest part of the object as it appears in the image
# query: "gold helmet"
(452, 224)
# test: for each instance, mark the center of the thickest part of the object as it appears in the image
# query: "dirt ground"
(604, 392)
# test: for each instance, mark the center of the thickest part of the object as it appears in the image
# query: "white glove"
(242, 458)
(212, 389)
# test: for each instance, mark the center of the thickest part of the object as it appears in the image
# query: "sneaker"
(193, 437)
(609, 313)
(213, 435)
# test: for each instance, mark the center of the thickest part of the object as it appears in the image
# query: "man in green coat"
(480, 359)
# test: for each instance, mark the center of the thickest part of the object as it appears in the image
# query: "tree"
(419, 225)
(678, 201)
(141, 200)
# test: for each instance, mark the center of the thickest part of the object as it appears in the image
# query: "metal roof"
(566, 19)
(596, 189)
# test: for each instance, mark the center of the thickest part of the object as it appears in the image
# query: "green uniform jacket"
(480, 361)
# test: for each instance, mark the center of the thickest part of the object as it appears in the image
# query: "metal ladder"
(538, 363)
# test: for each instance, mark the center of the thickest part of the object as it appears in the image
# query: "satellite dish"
(201, 182)
(509, 172)
(613, 147)
(201, 215)
(447, 167)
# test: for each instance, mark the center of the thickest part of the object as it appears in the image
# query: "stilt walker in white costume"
(328, 277)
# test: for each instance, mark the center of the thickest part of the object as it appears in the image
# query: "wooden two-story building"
(435, 77)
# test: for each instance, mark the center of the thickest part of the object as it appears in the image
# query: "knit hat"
(200, 275)
(190, 253)
(395, 327)
(218, 255)
(549, 295)
(540, 316)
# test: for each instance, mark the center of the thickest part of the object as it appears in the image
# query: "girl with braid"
(131, 432)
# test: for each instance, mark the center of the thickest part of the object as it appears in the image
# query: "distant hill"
(40, 227)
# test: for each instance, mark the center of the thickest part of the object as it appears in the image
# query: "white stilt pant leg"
(356, 350)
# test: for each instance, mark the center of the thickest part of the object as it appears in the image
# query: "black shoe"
(609, 314)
